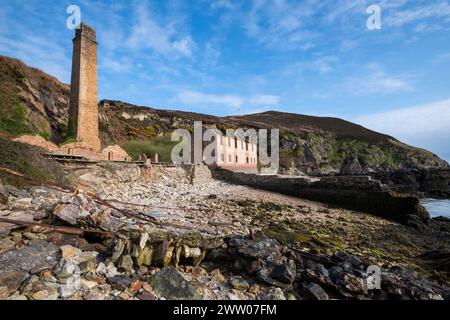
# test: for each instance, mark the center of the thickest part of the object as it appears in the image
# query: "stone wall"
(355, 193)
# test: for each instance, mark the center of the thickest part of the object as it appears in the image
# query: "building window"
(229, 158)
(236, 159)
(246, 146)
(235, 143)
(247, 160)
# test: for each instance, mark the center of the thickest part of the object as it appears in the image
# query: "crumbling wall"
(115, 153)
(198, 173)
(170, 173)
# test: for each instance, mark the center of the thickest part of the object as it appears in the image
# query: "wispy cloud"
(426, 125)
(432, 117)
(117, 65)
(279, 24)
(425, 10)
(377, 80)
(219, 4)
(34, 50)
(231, 101)
(163, 38)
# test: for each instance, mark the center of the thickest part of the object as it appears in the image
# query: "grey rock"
(12, 280)
(41, 214)
(274, 294)
(316, 292)
(126, 264)
(239, 283)
(352, 167)
(39, 255)
(67, 212)
(169, 284)
(121, 282)
(283, 273)
(336, 273)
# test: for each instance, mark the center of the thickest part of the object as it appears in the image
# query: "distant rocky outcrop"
(352, 167)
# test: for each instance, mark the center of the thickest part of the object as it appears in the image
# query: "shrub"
(160, 145)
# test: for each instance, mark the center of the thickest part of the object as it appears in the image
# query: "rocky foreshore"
(173, 240)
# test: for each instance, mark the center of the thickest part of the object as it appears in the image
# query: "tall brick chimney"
(83, 111)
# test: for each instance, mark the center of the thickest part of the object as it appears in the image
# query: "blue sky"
(227, 57)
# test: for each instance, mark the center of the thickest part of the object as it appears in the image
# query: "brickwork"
(83, 122)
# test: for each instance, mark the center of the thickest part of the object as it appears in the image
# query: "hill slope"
(34, 102)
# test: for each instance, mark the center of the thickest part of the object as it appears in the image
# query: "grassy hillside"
(27, 160)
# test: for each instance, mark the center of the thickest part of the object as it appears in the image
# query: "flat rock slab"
(37, 256)
(6, 228)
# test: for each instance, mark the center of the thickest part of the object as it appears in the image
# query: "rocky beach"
(174, 238)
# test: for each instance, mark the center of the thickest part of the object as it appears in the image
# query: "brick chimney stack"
(83, 111)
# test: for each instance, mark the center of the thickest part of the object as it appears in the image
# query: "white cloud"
(377, 80)
(34, 51)
(164, 39)
(268, 100)
(426, 126)
(211, 55)
(198, 98)
(279, 24)
(235, 102)
(119, 65)
(184, 46)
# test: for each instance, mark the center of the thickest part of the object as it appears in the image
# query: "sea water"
(437, 208)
